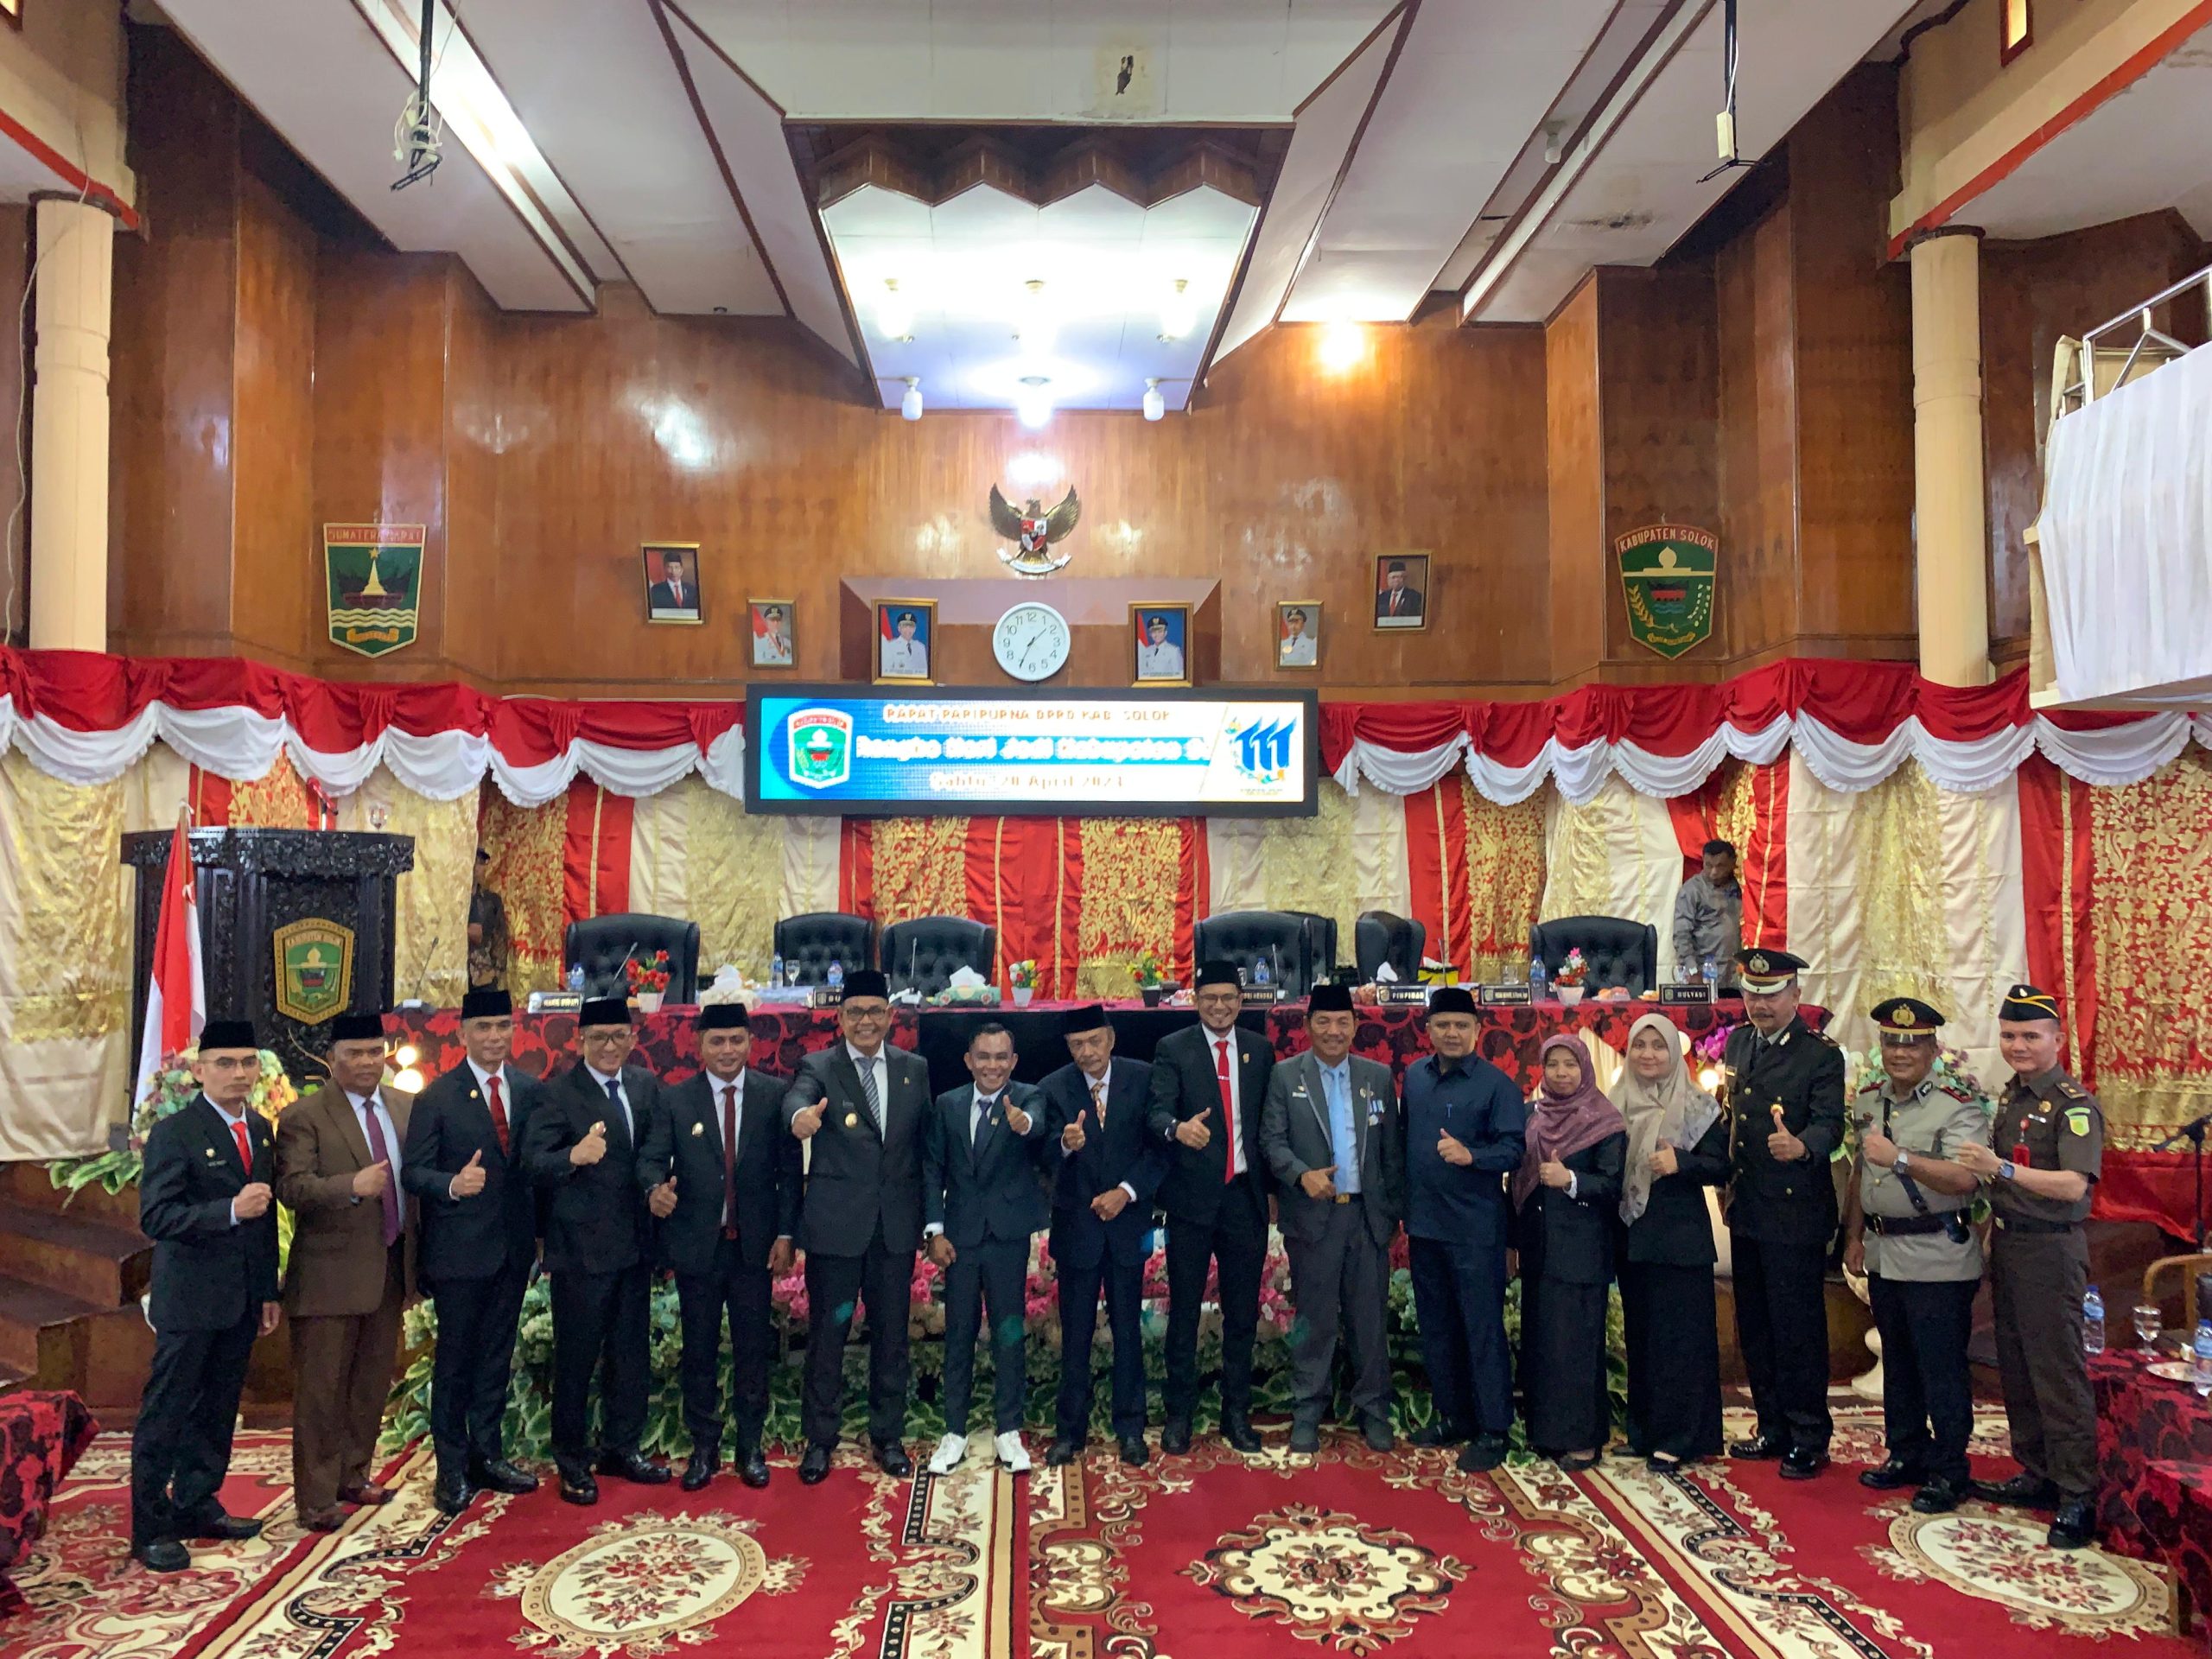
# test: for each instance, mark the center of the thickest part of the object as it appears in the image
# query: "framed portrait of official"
(671, 577)
(1401, 590)
(772, 634)
(906, 634)
(1160, 645)
(1298, 633)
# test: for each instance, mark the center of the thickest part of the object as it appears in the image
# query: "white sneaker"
(949, 1451)
(1012, 1454)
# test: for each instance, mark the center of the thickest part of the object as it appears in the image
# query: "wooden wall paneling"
(1573, 425)
(1757, 450)
(461, 590)
(277, 593)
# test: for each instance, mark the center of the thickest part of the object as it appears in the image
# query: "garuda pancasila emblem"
(1033, 532)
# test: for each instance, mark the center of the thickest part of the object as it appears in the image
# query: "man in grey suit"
(1331, 1135)
(863, 1105)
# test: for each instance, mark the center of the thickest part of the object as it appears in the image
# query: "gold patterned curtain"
(733, 872)
(526, 845)
(1131, 871)
(921, 868)
(279, 799)
(1505, 879)
(430, 919)
(1308, 864)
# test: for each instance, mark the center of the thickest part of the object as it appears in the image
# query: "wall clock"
(1030, 641)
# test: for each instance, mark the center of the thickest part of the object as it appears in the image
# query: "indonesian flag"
(177, 989)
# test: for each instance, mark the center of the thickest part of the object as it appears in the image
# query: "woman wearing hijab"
(1677, 1147)
(1564, 1197)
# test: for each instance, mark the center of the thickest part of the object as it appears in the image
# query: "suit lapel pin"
(698, 1129)
(211, 1152)
(852, 1120)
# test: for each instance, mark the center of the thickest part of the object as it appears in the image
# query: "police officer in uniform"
(1907, 1224)
(1785, 1100)
(2045, 1150)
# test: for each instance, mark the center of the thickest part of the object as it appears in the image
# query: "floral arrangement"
(174, 1088)
(649, 977)
(1022, 975)
(1148, 970)
(1572, 971)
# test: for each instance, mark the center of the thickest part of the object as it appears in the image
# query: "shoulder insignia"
(2071, 1089)
(1957, 1092)
(2077, 1120)
(1822, 1036)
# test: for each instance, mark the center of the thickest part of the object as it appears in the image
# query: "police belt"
(1909, 1226)
(2031, 1225)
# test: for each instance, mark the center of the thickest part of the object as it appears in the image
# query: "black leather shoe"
(1482, 1454)
(700, 1469)
(2075, 1525)
(214, 1526)
(1758, 1446)
(1175, 1436)
(1937, 1496)
(161, 1555)
(452, 1496)
(578, 1487)
(1436, 1431)
(814, 1467)
(892, 1458)
(498, 1475)
(1134, 1452)
(2022, 1492)
(1305, 1437)
(1238, 1432)
(1802, 1463)
(1378, 1434)
(1064, 1452)
(1891, 1475)
(633, 1466)
(753, 1468)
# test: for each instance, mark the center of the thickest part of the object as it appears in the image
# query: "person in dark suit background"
(983, 1200)
(1208, 1085)
(582, 1149)
(1395, 601)
(204, 1198)
(723, 1178)
(1109, 1166)
(863, 1105)
(1331, 1133)
(675, 594)
(477, 1222)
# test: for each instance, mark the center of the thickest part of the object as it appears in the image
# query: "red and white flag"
(176, 988)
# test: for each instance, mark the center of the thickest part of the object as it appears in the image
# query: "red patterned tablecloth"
(42, 1435)
(2154, 1468)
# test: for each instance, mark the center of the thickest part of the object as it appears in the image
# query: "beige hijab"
(1673, 1109)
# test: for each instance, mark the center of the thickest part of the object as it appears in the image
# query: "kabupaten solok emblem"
(315, 970)
(1667, 575)
(374, 576)
(820, 747)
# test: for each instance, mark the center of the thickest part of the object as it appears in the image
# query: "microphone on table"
(423, 1003)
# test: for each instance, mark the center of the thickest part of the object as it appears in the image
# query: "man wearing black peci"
(204, 1198)
(1107, 1167)
(1209, 1086)
(582, 1152)
(723, 1178)
(863, 1104)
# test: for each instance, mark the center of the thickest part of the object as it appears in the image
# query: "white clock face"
(1030, 641)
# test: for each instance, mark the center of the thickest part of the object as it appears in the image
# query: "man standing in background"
(1709, 918)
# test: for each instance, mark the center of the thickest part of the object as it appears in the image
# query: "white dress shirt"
(229, 1119)
(1214, 1039)
(872, 1066)
(629, 1117)
(1160, 662)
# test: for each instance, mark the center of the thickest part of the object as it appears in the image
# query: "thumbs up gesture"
(662, 1199)
(370, 1182)
(1661, 1161)
(1193, 1133)
(470, 1181)
(1072, 1137)
(804, 1123)
(1451, 1150)
(591, 1148)
(1016, 1119)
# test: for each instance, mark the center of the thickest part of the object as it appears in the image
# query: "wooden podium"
(259, 890)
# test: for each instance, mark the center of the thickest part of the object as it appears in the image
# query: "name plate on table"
(1686, 997)
(1391, 996)
(824, 997)
(557, 1002)
(1261, 996)
(1505, 997)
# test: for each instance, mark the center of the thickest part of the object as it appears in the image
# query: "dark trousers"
(603, 1322)
(701, 1299)
(1340, 1279)
(343, 1365)
(1078, 1291)
(1782, 1324)
(181, 1449)
(1236, 1242)
(2037, 1281)
(1927, 1392)
(995, 1274)
(472, 1365)
(1459, 1301)
(882, 1278)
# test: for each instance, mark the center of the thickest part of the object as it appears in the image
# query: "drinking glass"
(2150, 1324)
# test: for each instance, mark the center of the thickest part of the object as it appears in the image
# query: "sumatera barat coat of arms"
(1667, 575)
(1033, 532)
(315, 970)
(373, 578)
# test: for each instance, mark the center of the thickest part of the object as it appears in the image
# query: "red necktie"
(729, 1161)
(246, 1148)
(1227, 1105)
(499, 1113)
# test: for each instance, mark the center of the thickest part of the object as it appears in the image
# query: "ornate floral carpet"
(1210, 1556)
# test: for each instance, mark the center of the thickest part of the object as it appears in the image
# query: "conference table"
(1510, 1037)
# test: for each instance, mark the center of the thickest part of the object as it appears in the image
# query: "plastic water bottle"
(576, 978)
(1260, 972)
(1709, 971)
(2092, 1323)
(1536, 976)
(776, 971)
(2199, 1359)
(834, 979)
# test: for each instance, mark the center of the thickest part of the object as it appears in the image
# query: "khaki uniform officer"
(1907, 1224)
(2048, 1142)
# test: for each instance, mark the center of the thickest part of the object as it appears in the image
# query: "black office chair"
(924, 951)
(1283, 937)
(1378, 937)
(1617, 951)
(1320, 945)
(602, 943)
(810, 942)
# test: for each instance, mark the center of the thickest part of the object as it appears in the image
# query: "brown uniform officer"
(2046, 1147)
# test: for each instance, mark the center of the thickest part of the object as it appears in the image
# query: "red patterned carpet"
(1204, 1557)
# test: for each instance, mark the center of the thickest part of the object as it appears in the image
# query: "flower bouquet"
(648, 979)
(1152, 975)
(1569, 980)
(1021, 978)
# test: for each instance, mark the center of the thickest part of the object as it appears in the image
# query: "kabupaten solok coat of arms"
(1667, 575)
(315, 970)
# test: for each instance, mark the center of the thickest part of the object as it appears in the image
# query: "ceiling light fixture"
(1034, 403)
(1154, 405)
(910, 406)
(1034, 326)
(1344, 346)
(1180, 315)
(894, 312)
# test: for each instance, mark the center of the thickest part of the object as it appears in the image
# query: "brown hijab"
(1563, 1124)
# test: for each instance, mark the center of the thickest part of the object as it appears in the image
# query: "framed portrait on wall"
(906, 630)
(672, 575)
(1401, 590)
(773, 637)
(1298, 633)
(1160, 643)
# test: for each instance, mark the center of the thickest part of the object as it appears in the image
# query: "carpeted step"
(35, 1328)
(90, 1260)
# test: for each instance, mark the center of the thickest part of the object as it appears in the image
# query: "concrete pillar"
(1950, 506)
(69, 427)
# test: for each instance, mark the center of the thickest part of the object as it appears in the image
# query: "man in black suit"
(984, 1201)
(478, 1241)
(864, 1105)
(673, 594)
(204, 1200)
(581, 1149)
(1396, 604)
(1109, 1167)
(1209, 1087)
(722, 1177)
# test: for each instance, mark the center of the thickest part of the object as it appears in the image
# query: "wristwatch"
(1904, 1159)
(2004, 1169)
